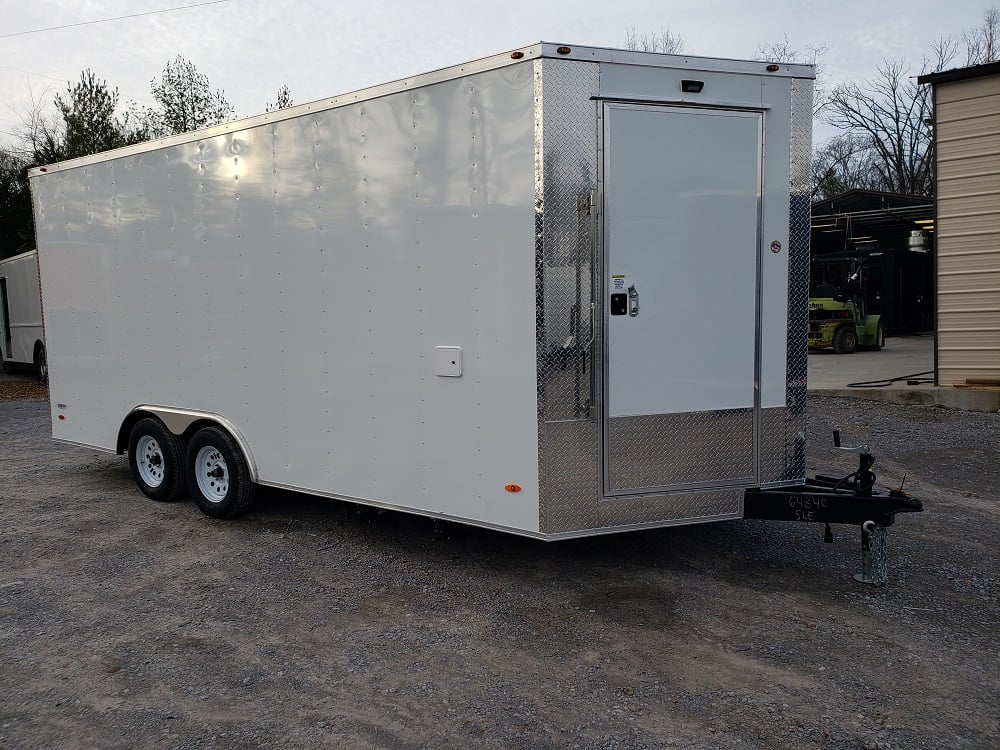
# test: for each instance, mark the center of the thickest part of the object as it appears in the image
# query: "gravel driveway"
(129, 623)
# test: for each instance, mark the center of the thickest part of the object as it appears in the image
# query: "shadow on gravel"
(738, 552)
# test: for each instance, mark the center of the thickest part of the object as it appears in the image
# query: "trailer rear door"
(682, 196)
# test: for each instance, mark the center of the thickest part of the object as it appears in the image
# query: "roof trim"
(539, 50)
(961, 74)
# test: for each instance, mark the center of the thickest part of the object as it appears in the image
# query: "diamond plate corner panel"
(778, 464)
(638, 458)
(566, 153)
(800, 155)
(678, 507)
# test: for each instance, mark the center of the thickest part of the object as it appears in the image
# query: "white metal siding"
(968, 229)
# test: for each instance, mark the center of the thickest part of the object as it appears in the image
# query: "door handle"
(633, 302)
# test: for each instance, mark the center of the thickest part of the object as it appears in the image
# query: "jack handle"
(863, 448)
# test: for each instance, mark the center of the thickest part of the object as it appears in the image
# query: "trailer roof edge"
(692, 62)
(19, 256)
(547, 50)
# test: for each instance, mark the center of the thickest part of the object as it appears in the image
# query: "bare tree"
(843, 163)
(982, 44)
(39, 135)
(665, 41)
(889, 114)
(888, 118)
(37, 139)
(784, 52)
(283, 100)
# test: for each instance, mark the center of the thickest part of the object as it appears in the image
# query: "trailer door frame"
(681, 297)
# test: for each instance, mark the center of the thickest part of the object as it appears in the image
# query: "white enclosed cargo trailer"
(559, 292)
(21, 337)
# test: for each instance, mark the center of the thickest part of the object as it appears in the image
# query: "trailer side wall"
(297, 276)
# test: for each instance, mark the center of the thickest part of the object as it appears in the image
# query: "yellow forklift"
(838, 312)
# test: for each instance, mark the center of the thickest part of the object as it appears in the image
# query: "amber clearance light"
(513, 488)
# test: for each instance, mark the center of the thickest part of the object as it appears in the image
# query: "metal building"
(967, 141)
(893, 235)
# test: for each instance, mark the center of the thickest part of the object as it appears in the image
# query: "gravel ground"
(18, 388)
(129, 623)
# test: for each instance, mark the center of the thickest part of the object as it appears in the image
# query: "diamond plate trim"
(639, 457)
(774, 448)
(788, 423)
(799, 214)
(681, 507)
(566, 152)
(566, 172)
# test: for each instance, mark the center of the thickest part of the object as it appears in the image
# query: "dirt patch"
(129, 623)
(18, 390)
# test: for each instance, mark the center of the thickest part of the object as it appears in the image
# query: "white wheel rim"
(149, 460)
(212, 474)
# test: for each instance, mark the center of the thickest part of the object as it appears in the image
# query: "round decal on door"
(776, 246)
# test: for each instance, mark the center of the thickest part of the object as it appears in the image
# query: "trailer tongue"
(852, 499)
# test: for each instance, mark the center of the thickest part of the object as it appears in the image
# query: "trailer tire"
(217, 474)
(156, 460)
(42, 363)
(4, 364)
(845, 340)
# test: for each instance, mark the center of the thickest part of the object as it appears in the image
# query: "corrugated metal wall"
(968, 229)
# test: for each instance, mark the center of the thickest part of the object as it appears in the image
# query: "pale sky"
(321, 48)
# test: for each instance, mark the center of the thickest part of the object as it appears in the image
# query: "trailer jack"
(849, 500)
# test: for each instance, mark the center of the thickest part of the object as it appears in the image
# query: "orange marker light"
(772, 67)
(513, 488)
(563, 50)
(516, 55)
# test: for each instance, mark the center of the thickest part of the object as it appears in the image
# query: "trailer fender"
(182, 422)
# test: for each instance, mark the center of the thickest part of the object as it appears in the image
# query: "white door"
(682, 191)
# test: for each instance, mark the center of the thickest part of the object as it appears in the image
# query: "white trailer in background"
(559, 291)
(22, 340)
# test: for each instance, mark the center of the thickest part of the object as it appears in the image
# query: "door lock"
(633, 302)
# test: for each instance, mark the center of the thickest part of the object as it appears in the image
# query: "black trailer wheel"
(42, 363)
(217, 474)
(156, 460)
(5, 366)
(845, 340)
